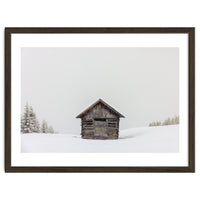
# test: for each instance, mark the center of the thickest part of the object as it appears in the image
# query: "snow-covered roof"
(98, 102)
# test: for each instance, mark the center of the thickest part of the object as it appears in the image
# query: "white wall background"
(88, 13)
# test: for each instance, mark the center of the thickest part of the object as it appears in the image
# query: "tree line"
(168, 121)
(30, 122)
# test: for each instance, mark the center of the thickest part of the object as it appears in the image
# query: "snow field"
(160, 139)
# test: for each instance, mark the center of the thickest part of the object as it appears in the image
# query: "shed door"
(100, 126)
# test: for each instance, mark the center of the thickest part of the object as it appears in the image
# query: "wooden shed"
(100, 121)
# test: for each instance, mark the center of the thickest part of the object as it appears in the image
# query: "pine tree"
(176, 119)
(44, 127)
(169, 121)
(50, 129)
(30, 123)
(25, 120)
(37, 126)
(158, 123)
(22, 124)
(32, 119)
(173, 121)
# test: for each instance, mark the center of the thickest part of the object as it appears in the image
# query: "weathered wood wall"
(100, 123)
(99, 111)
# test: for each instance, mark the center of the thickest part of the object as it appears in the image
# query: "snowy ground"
(163, 139)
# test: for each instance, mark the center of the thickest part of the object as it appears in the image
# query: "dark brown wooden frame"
(191, 97)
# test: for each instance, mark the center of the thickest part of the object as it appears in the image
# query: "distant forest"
(169, 121)
(30, 122)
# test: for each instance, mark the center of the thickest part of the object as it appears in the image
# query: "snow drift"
(161, 139)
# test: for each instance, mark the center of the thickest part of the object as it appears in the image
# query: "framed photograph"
(99, 99)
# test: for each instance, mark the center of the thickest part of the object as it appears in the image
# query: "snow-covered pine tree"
(50, 130)
(173, 121)
(169, 121)
(34, 123)
(158, 123)
(37, 126)
(22, 123)
(29, 121)
(176, 119)
(44, 127)
(25, 120)
(32, 119)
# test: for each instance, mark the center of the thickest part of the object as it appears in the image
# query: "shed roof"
(98, 102)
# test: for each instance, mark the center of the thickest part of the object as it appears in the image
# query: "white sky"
(140, 83)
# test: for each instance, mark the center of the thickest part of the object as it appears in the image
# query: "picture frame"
(11, 95)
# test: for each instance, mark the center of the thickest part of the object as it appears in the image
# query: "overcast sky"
(140, 83)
